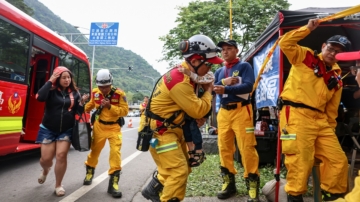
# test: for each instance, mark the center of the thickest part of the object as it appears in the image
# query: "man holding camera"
(111, 104)
(308, 107)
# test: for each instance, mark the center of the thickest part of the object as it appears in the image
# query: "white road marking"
(84, 189)
(128, 129)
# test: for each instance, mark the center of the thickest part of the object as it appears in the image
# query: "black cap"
(341, 40)
(228, 42)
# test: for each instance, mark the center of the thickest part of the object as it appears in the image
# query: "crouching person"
(173, 97)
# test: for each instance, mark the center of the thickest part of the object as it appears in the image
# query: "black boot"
(228, 188)
(298, 198)
(113, 187)
(326, 196)
(253, 187)
(153, 189)
(89, 175)
(174, 200)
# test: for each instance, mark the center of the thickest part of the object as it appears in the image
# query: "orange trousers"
(237, 123)
(310, 135)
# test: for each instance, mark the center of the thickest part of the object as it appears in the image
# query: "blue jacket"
(241, 69)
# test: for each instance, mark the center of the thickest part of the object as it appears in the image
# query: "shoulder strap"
(108, 96)
(71, 96)
(151, 115)
(152, 92)
(112, 91)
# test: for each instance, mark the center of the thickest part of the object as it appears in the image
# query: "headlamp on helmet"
(201, 45)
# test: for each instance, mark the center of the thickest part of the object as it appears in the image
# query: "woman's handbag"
(81, 136)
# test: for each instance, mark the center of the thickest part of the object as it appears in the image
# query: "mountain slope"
(105, 56)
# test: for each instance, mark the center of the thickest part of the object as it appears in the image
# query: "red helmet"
(61, 69)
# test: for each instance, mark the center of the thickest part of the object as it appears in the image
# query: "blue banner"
(267, 91)
(103, 33)
(217, 103)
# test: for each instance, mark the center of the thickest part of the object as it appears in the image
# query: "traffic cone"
(130, 124)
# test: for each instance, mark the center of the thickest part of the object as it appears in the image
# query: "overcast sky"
(141, 22)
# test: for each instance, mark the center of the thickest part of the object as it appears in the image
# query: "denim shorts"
(46, 136)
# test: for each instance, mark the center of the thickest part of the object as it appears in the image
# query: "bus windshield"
(78, 68)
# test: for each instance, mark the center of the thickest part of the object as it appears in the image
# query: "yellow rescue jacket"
(302, 85)
(175, 92)
(119, 106)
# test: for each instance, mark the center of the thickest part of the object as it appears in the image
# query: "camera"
(332, 83)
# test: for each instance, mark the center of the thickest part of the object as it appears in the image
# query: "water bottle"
(271, 127)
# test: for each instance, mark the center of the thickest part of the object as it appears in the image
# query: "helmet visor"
(103, 82)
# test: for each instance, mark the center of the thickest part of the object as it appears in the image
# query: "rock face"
(210, 145)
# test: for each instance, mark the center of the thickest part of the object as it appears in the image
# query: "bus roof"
(23, 20)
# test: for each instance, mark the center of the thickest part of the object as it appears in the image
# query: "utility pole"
(73, 39)
(152, 79)
(230, 11)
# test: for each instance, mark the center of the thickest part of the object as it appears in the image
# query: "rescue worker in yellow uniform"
(309, 106)
(111, 104)
(354, 195)
(235, 119)
(142, 108)
(174, 96)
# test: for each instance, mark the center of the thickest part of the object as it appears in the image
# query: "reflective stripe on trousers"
(237, 123)
(309, 136)
(171, 158)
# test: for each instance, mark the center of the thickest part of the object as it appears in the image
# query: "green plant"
(205, 180)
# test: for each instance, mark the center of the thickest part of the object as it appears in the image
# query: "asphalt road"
(19, 173)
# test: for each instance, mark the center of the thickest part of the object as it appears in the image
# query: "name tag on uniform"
(114, 100)
(225, 95)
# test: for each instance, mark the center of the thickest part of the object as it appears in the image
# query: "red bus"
(29, 51)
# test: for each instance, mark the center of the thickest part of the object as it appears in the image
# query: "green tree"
(20, 4)
(212, 18)
(138, 96)
(129, 96)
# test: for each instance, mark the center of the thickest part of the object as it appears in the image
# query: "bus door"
(34, 110)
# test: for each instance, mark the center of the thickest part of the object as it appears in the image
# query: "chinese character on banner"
(103, 33)
(267, 91)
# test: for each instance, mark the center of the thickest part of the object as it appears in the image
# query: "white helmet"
(201, 45)
(103, 78)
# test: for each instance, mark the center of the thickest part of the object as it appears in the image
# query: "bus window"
(80, 71)
(40, 76)
(14, 52)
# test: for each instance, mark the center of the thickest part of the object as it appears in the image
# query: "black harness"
(98, 111)
(166, 122)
